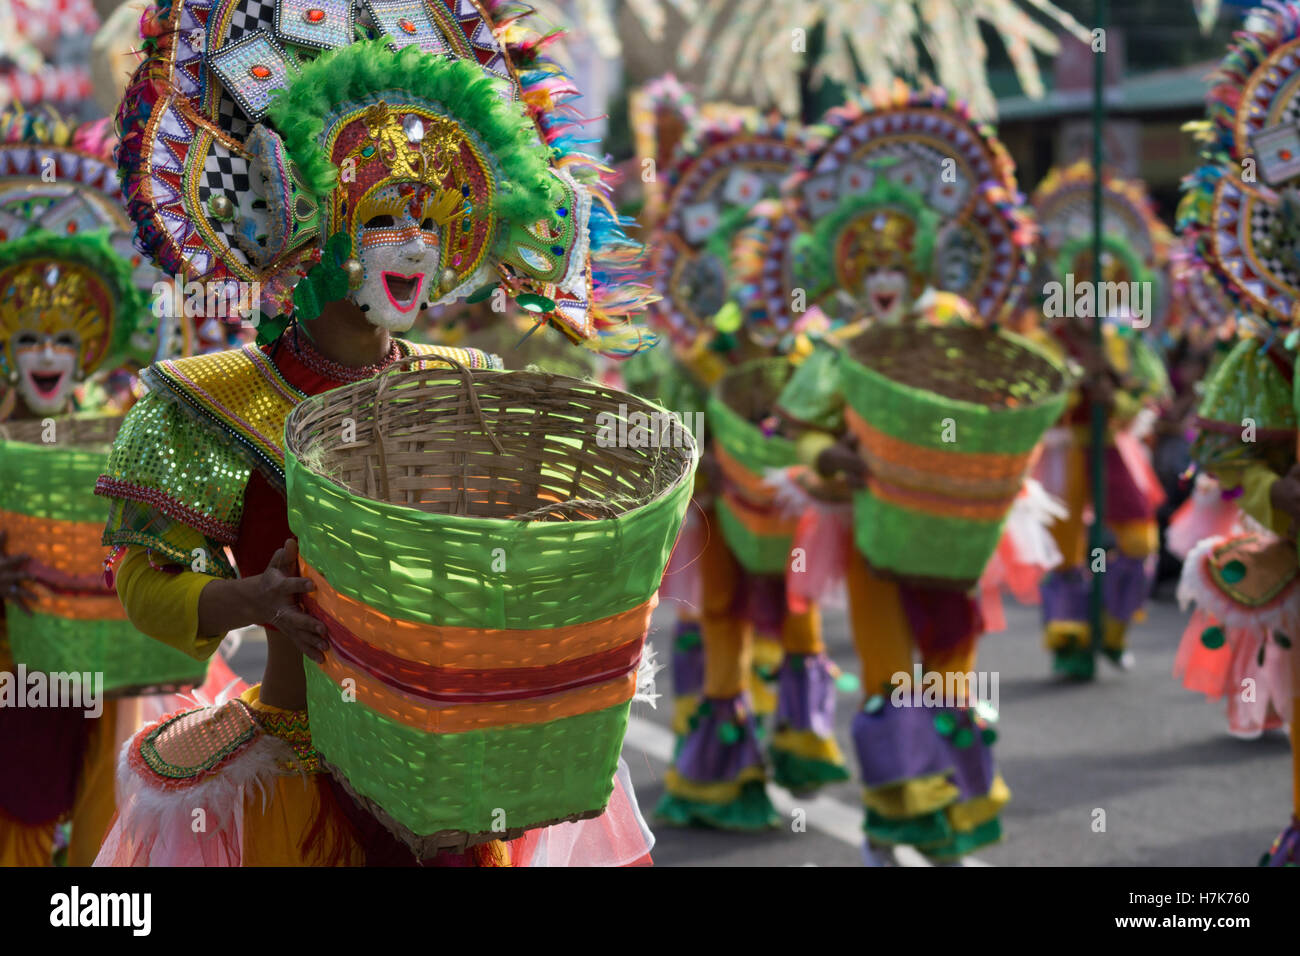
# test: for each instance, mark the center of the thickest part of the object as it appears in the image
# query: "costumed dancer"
(1200, 333)
(907, 218)
(742, 537)
(360, 165)
(1127, 378)
(1246, 587)
(76, 305)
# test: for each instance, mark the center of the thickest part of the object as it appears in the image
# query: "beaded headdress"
(256, 133)
(910, 180)
(1136, 245)
(721, 171)
(1243, 203)
(66, 262)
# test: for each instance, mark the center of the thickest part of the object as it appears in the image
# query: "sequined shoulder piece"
(166, 462)
(471, 358)
(185, 749)
(241, 393)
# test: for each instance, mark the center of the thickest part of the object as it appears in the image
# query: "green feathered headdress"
(91, 293)
(822, 256)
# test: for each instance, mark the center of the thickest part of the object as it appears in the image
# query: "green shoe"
(1075, 664)
(751, 812)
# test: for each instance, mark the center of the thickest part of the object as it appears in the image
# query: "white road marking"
(826, 814)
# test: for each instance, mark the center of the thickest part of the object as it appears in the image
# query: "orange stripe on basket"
(459, 718)
(944, 506)
(973, 467)
(74, 548)
(77, 607)
(750, 485)
(760, 522)
(479, 648)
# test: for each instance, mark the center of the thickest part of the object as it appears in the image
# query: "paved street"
(1175, 788)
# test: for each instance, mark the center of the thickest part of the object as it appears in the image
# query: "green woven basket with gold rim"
(946, 420)
(486, 553)
(757, 533)
(49, 509)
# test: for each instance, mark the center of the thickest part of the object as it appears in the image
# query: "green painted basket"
(487, 548)
(757, 533)
(947, 419)
(49, 509)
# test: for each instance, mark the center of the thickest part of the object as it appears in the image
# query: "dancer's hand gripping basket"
(486, 558)
(49, 509)
(756, 530)
(946, 420)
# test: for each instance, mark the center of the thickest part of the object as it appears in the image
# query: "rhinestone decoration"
(240, 66)
(321, 24)
(407, 23)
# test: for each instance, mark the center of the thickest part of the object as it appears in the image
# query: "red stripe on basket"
(453, 684)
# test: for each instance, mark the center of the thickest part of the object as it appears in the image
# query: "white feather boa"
(1197, 587)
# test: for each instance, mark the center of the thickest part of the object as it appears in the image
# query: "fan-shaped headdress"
(720, 173)
(1244, 202)
(1136, 244)
(66, 261)
(259, 135)
(911, 179)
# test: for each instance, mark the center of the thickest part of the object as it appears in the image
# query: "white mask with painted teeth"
(47, 370)
(401, 258)
(887, 296)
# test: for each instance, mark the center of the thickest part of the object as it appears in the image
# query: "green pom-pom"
(532, 302)
(688, 640)
(728, 733)
(722, 343)
(847, 683)
(728, 318)
(1233, 572)
(945, 724)
(482, 294)
(271, 328)
(988, 735)
(963, 738)
(1213, 637)
(875, 704)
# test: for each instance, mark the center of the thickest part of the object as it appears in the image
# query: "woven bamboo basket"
(757, 533)
(50, 511)
(486, 548)
(946, 420)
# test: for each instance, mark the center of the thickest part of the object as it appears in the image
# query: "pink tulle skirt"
(1258, 695)
(1205, 514)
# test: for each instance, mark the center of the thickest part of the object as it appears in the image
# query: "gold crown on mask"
(52, 297)
(419, 149)
(881, 239)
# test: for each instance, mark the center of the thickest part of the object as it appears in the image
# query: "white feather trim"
(1196, 587)
(1032, 515)
(146, 810)
(1144, 423)
(790, 498)
(645, 678)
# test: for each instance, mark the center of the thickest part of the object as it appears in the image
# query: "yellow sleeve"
(1255, 479)
(164, 606)
(811, 444)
